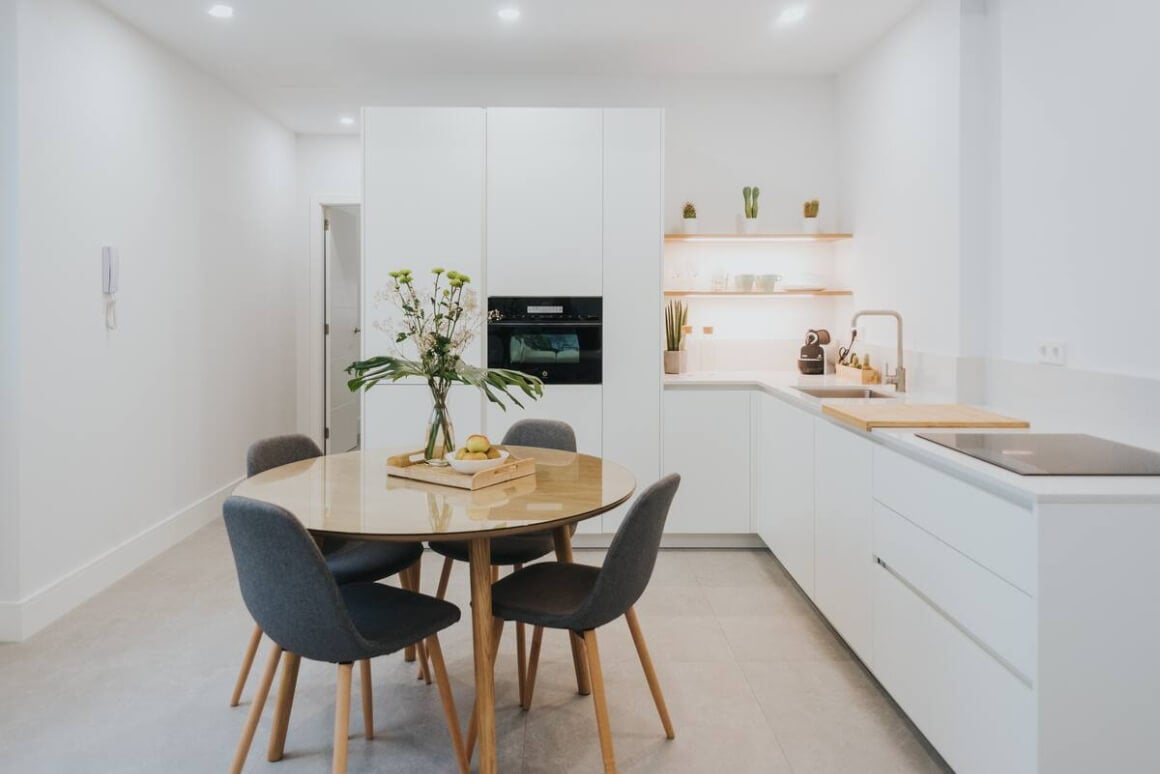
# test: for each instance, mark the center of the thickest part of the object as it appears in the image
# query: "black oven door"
(557, 351)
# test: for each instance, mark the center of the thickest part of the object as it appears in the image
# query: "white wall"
(1080, 165)
(126, 432)
(899, 118)
(9, 311)
(328, 171)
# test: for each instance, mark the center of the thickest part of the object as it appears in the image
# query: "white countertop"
(1025, 490)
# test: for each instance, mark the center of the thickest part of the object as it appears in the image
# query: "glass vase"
(440, 434)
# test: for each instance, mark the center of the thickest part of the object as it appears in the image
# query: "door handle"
(357, 331)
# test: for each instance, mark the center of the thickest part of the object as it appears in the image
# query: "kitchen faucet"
(898, 378)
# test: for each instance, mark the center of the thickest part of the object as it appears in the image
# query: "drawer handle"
(1014, 670)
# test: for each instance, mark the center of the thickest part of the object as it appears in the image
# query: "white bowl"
(471, 467)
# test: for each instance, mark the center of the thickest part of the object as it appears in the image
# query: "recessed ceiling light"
(792, 15)
(221, 12)
(508, 14)
(346, 120)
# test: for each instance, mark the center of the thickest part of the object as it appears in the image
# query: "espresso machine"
(812, 358)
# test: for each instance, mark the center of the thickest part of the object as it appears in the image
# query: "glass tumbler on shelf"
(720, 281)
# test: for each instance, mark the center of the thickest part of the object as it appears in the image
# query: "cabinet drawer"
(979, 716)
(999, 616)
(994, 532)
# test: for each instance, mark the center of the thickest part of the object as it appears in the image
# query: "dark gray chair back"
(286, 584)
(631, 557)
(543, 433)
(278, 451)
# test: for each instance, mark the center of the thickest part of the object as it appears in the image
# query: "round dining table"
(351, 495)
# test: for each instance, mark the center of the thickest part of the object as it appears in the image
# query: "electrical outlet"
(1053, 352)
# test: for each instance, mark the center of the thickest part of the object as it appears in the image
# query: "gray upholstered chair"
(351, 561)
(581, 598)
(293, 597)
(517, 550)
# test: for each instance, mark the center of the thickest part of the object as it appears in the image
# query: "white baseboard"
(20, 620)
(582, 541)
(10, 622)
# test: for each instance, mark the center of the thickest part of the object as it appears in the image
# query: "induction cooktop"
(1049, 454)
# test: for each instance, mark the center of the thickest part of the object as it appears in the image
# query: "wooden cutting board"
(888, 414)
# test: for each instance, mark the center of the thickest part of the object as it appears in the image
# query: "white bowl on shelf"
(471, 467)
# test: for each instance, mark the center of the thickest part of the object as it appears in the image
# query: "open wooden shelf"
(755, 294)
(721, 238)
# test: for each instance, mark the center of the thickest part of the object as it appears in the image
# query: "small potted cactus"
(689, 218)
(749, 224)
(810, 221)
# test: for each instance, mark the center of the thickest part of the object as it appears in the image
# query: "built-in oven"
(558, 339)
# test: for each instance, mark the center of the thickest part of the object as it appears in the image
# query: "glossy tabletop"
(352, 495)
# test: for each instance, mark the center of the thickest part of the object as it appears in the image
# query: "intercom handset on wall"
(110, 281)
(110, 270)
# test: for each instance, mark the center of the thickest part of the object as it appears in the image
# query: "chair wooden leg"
(521, 652)
(444, 578)
(473, 723)
(533, 663)
(342, 717)
(424, 662)
(256, 711)
(440, 593)
(247, 665)
(368, 699)
(436, 653)
(600, 702)
(562, 537)
(406, 581)
(282, 706)
(650, 674)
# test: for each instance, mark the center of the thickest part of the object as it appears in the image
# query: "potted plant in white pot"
(810, 221)
(676, 314)
(689, 218)
(749, 225)
(439, 325)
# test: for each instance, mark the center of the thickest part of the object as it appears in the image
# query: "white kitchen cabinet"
(974, 710)
(633, 190)
(706, 440)
(576, 404)
(423, 169)
(544, 201)
(395, 415)
(783, 474)
(843, 533)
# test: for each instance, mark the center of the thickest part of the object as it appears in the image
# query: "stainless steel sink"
(842, 392)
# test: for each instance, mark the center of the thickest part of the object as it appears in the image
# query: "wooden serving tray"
(413, 467)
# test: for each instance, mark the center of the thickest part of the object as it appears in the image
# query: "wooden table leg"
(563, 539)
(481, 622)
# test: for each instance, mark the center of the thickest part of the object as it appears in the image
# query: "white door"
(343, 263)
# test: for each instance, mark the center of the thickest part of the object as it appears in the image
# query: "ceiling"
(307, 61)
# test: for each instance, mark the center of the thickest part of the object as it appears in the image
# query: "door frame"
(315, 334)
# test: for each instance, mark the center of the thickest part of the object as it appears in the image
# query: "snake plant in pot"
(438, 324)
(676, 315)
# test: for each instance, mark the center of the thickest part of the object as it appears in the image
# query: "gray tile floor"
(138, 680)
